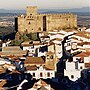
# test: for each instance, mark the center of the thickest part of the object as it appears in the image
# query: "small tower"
(31, 13)
(31, 10)
(50, 60)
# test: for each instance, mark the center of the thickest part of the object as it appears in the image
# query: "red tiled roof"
(2, 84)
(83, 43)
(34, 60)
(50, 52)
(87, 65)
(2, 70)
(83, 54)
(14, 53)
(34, 67)
(83, 34)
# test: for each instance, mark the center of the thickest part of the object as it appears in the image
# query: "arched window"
(72, 76)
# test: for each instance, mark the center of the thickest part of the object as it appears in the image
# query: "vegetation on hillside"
(33, 36)
(5, 30)
(25, 37)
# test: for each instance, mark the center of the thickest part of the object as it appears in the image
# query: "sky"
(44, 4)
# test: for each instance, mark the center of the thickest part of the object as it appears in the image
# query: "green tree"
(24, 38)
(16, 42)
(32, 36)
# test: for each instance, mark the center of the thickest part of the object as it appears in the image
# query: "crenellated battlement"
(37, 22)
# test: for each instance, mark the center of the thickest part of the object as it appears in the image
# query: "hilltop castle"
(36, 22)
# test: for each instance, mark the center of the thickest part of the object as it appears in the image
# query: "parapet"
(31, 9)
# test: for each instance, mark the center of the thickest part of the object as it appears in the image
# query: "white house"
(88, 30)
(73, 70)
(4, 61)
(41, 72)
(80, 61)
(33, 48)
(45, 38)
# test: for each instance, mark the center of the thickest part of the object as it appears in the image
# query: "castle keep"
(36, 22)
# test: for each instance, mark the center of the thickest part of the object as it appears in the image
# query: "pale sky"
(44, 4)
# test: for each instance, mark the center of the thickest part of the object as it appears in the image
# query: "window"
(48, 74)
(67, 19)
(79, 59)
(69, 44)
(29, 23)
(54, 47)
(24, 16)
(30, 16)
(37, 67)
(41, 74)
(72, 76)
(51, 57)
(81, 67)
(39, 28)
(47, 56)
(37, 17)
(33, 74)
(32, 51)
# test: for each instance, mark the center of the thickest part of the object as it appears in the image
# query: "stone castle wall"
(35, 22)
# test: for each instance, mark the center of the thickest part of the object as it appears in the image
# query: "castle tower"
(36, 22)
(31, 13)
(31, 10)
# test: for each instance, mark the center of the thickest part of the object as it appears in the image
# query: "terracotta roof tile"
(87, 65)
(34, 60)
(2, 70)
(50, 52)
(83, 43)
(15, 53)
(83, 34)
(3, 83)
(34, 67)
(83, 54)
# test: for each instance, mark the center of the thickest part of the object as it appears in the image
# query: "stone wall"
(35, 22)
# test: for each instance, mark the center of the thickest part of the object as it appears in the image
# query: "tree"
(32, 36)
(24, 38)
(16, 42)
